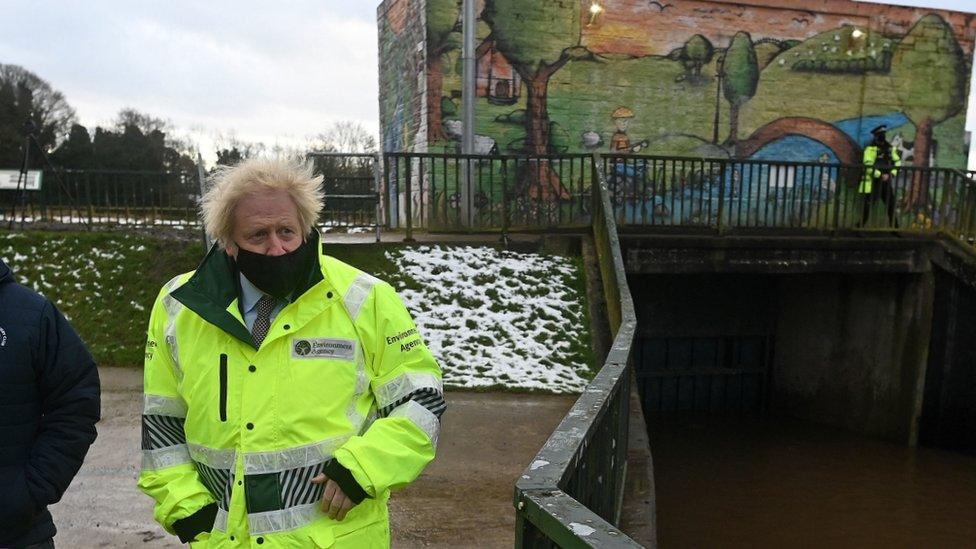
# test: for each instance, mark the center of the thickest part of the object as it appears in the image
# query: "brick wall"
(840, 64)
(402, 78)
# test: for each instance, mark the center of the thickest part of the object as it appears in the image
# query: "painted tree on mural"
(537, 46)
(929, 74)
(928, 69)
(741, 78)
(442, 36)
(695, 54)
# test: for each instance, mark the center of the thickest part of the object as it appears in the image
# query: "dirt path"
(464, 499)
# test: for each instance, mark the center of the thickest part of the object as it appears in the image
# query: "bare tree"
(25, 96)
(147, 123)
(345, 136)
(231, 149)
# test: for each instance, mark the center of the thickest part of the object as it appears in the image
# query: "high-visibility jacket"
(342, 377)
(873, 172)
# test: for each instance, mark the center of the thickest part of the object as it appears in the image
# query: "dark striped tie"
(261, 325)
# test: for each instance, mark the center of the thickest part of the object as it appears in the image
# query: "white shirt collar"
(250, 294)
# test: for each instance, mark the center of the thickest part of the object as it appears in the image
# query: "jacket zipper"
(223, 387)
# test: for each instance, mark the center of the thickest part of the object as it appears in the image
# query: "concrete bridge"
(733, 289)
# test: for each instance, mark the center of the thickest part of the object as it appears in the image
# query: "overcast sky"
(260, 70)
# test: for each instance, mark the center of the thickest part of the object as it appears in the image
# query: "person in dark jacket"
(49, 404)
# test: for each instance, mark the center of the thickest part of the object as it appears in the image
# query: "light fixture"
(595, 10)
(857, 33)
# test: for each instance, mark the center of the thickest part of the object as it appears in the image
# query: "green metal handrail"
(572, 492)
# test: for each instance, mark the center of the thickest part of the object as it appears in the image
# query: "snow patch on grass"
(104, 283)
(498, 318)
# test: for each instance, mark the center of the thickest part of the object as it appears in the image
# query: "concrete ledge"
(639, 517)
(874, 253)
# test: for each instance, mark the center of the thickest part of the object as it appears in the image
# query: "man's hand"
(335, 503)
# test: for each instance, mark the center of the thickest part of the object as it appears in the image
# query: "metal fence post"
(409, 197)
(721, 195)
(505, 219)
(387, 203)
(377, 188)
(91, 207)
(840, 186)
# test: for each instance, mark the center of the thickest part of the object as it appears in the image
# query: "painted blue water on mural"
(860, 128)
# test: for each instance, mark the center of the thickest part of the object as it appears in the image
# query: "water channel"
(761, 482)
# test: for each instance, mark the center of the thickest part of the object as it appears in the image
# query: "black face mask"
(277, 276)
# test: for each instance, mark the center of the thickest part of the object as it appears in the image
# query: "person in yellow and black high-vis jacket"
(881, 163)
(286, 393)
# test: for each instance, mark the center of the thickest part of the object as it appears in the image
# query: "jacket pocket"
(322, 536)
(223, 387)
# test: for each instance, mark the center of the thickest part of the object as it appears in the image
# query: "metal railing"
(571, 494)
(101, 197)
(351, 182)
(506, 192)
(144, 198)
(730, 195)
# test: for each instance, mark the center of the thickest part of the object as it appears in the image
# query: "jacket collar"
(215, 286)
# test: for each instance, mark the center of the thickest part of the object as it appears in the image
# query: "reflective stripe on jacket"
(871, 173)
(342, 374)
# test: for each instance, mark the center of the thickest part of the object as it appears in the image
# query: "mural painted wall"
(703, 78)
(402, 74)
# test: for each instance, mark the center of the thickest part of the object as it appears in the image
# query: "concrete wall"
(804, 82)
(402, 74)
(949, 410)
(851, 351)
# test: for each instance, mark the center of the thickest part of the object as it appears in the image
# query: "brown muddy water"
(748, 482)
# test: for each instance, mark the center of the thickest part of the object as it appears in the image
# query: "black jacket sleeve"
(68, 383)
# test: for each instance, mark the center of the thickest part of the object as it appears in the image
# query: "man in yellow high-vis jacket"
(881, 163)
(286, 393)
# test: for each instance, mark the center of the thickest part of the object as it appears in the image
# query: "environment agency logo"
(342, 349)
(303, 347)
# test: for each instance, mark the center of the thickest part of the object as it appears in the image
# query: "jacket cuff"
(343, 477)
(201, 521)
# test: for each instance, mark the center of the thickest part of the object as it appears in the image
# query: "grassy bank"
(105, 283)
(495, 319)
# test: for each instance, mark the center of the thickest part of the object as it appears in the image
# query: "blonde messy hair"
(230, 184)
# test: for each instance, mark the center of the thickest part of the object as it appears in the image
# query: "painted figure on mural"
(620, 142)
(827, 183)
